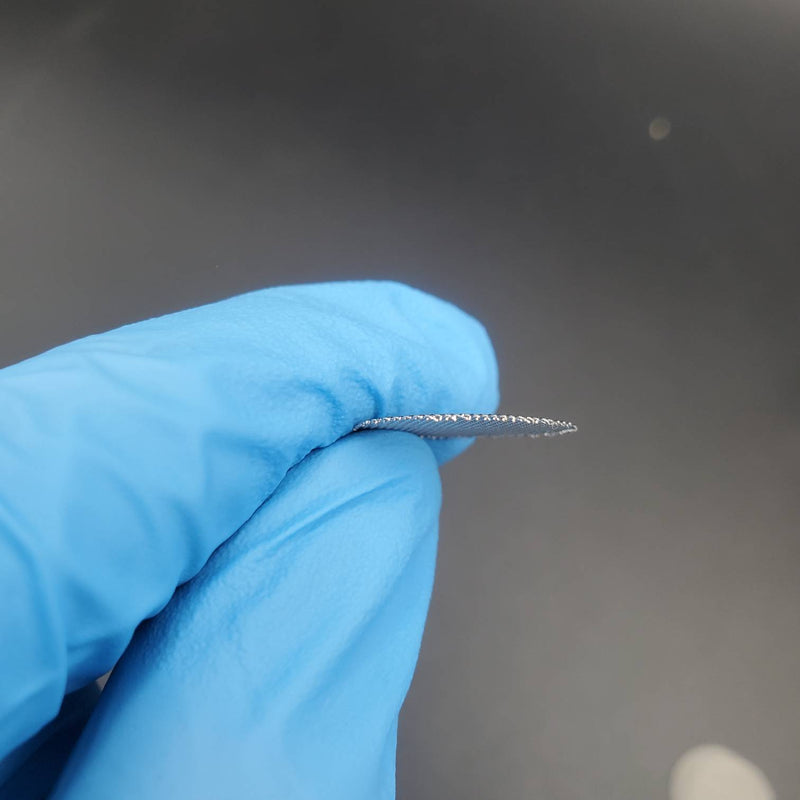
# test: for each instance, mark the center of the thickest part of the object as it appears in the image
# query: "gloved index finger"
(129, 456)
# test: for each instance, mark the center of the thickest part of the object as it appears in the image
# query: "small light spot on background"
(659, 128)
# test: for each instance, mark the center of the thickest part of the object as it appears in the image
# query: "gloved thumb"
(279, 671)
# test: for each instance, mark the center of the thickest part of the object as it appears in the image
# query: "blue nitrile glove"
(128, 458)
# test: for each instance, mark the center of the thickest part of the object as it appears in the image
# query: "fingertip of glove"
(454, 342)
(459, 336)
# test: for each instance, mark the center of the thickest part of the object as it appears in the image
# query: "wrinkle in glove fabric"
(128, 457)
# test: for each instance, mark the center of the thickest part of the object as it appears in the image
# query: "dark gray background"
(603, 601)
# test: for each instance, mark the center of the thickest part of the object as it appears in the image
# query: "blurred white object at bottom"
(713, 772)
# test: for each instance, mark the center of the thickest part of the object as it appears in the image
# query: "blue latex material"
(129, 460)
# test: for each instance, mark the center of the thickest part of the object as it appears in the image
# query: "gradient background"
(605, 601)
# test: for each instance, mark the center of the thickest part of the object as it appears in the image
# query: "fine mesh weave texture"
(446, 426)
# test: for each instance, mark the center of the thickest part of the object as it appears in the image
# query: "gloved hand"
(129, 460)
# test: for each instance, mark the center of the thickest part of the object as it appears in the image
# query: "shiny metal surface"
(447, 426)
